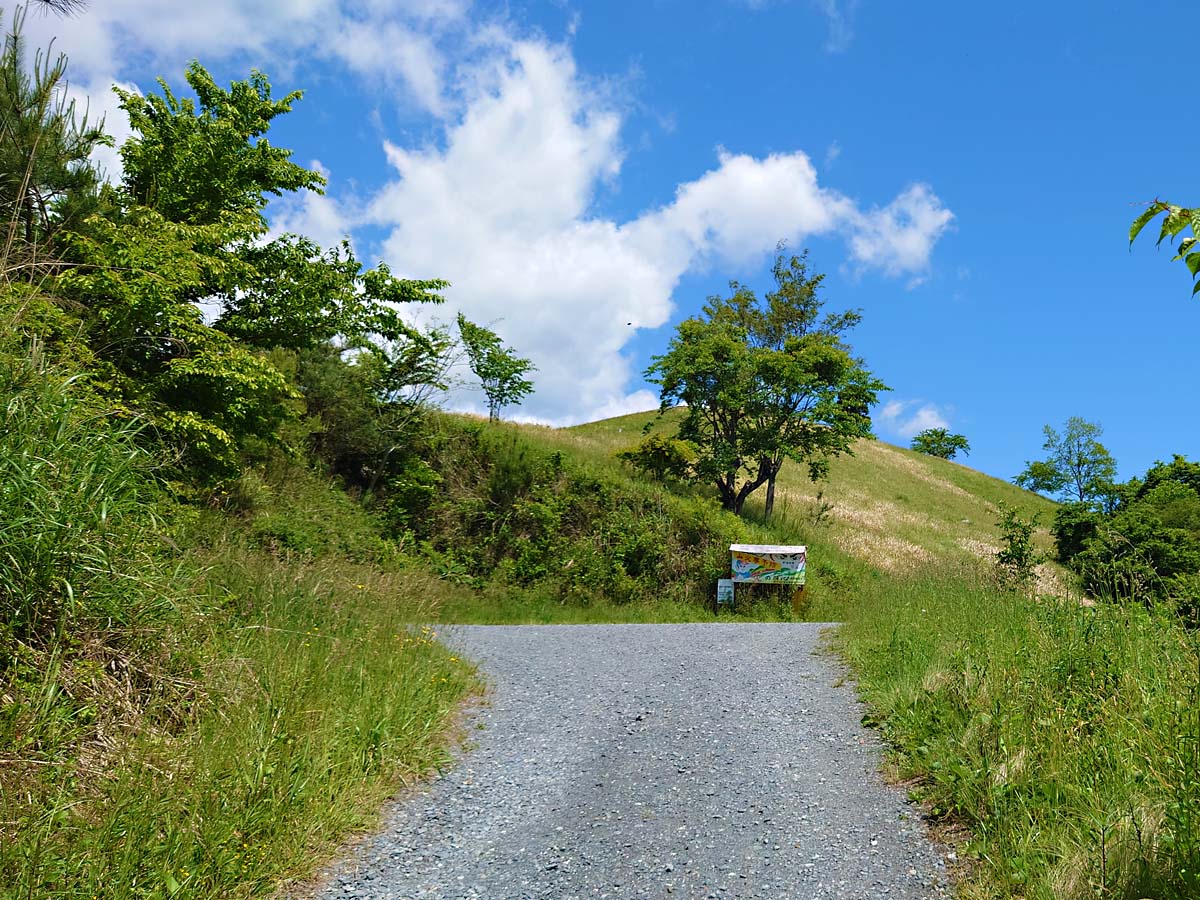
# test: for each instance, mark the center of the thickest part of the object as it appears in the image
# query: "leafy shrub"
(1145, 547)
(1074, 525)
(661, 458)
(511, 512)
(1135, 554)
(1018, 557)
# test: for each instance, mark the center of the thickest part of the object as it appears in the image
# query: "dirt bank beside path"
(657, 761)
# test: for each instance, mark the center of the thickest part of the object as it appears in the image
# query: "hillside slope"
(889, 507)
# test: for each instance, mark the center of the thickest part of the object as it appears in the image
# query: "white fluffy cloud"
(899, 237)
(502, 208)
(502, 202)
(391, 43)
(905, 418)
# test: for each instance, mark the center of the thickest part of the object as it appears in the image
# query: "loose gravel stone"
(654, 761)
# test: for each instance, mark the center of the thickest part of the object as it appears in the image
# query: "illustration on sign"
(767, 564)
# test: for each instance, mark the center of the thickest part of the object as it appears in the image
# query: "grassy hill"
(888, 507)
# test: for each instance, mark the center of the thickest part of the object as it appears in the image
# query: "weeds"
(198, 726)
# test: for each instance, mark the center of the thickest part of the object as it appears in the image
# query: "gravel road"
(658, 761)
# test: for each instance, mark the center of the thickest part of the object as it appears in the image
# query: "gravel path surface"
(663, 761)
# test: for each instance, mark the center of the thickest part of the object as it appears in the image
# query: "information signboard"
(724, 591)
(768, 564)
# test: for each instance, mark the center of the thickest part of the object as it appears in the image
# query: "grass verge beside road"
(319, 700)
(1066, 737)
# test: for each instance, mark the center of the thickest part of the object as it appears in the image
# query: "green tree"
(500, 371)
(940, 442)
(300, 296)
(1075, 524)
(47, 181)
(186, 227)
(1176, 222)
(660, 457)
(207, 161)
(1145, 545)
(206, 166)
(1079, 467)
(765, 381)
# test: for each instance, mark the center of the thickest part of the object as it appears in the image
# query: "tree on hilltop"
(500, 371)
(766, 380)
(940, 442)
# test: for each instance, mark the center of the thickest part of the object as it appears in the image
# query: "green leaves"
(940, 442)
(765, 380)
(1079, 467)
(209, 162)
(46, 178)
(1175, 220)
(499, 370)
(185, 232)
(295, 295)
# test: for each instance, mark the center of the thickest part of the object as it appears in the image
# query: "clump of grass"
(322, 697)
(76, 513)
(91, 610)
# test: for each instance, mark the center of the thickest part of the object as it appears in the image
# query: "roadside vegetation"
(226, 538)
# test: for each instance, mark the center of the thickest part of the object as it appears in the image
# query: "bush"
(1018, 558)
(661, 458)
(508, 511)
(1074, 525)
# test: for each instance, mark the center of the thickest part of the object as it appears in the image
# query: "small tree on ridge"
(500, 371)
(940, 442)
(1079, 467)
(764, 381)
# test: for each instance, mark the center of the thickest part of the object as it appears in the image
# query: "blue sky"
(587, 173)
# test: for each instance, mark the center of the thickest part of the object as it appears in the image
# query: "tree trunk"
(769, 508)
(729, 499)
(764, 471)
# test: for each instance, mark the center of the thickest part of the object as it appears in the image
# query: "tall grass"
(200, 711)
(1065, 736)
(89, 607)
(76, 513)
(322, 698)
